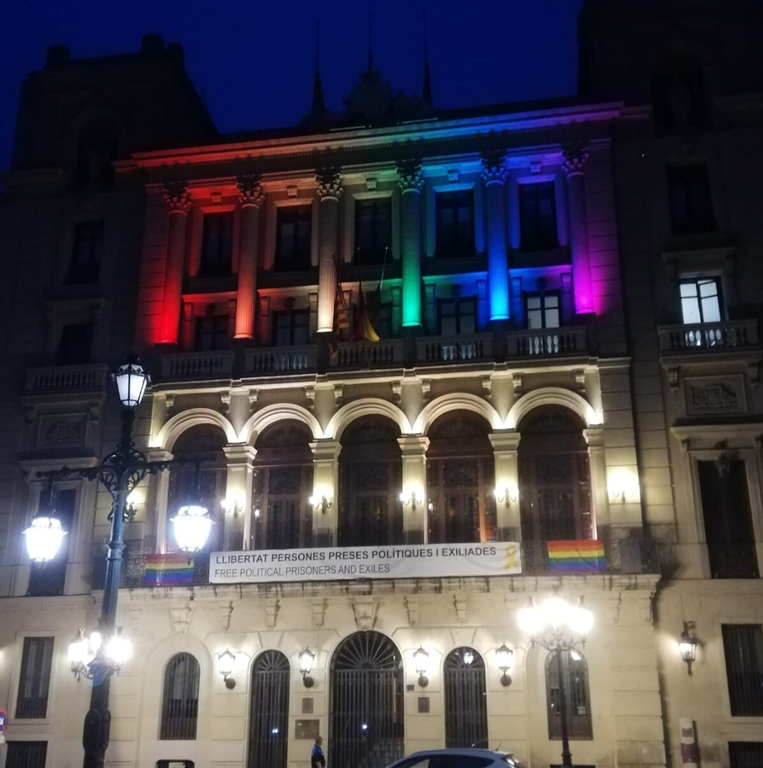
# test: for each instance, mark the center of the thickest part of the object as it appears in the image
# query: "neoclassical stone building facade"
(394, 328)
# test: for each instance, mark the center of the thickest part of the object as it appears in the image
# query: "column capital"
(326, 450)
(251, 191)
(505, 440)
(239, 453)
(330, 183)
(413, 445)
(494, 167)
(575, 158)
(410, 177)
(177, 198)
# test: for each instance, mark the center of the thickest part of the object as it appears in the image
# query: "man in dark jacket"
(317, 760)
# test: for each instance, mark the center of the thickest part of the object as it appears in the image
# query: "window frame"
(214, 263)
(199, 332)
(190, 729)
(694, 215)
(17, 699)
(82, 274)
(14, 743)
(455, 251)
(725, 671)
(549, 663)
(292, 315)
(297, 262)
(543, 241)
(377, 254)
(698, 282)
(458, 315)
(543, 296)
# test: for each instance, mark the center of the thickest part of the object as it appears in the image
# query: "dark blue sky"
(253, 61)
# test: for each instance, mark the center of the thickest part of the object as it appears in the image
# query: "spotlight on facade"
(43, 537)
(320, 501)
(504, 657)
(226, 662)
(192, 528)
(687, 645)
(306, 659)
(421, 660)
(412, 496)
(131, 381)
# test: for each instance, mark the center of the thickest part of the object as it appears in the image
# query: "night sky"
(252, 61)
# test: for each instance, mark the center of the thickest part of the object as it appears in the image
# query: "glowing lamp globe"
(192, 528)
(504, 657)
(225, 663)
(43, 538)
(131, 382)
(306, 659)
(118, 649)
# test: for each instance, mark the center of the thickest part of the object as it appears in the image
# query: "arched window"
(269, 711)
(370, 479)
(465, 699)
(366, 709)
(96, 150)
(574, 678)
(203, 444)
(283, 483)
(554, 479)
(460, 479)
(180, 699)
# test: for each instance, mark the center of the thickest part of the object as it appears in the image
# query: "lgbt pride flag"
(168, 571)
(585, 556)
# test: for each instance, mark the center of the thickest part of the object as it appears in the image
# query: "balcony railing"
(364, 354)
(280, 360)
(66, 378)
(455, 349)
(623, 556)
(737, 334)
(191, 365)
(547, 341)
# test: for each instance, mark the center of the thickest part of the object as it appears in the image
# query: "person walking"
(317, 760)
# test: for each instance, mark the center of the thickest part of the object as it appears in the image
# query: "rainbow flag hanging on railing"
(586, 556)
(168, 571)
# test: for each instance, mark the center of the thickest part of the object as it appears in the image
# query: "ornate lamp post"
(560, 627)
(101, 653)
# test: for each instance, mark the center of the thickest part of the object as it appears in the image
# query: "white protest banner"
(422, 561)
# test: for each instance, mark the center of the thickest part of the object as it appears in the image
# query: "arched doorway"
(269, 711)
(366, 715)
(460, 479)
(465, 699)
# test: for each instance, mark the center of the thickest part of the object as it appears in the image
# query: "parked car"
(458, 758)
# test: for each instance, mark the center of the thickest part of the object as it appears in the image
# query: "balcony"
(548, 342)
(709, 337)
(280, 360)
(66, 379)
(623, 556)
(365, 355)
(196, 365)
(454, 349)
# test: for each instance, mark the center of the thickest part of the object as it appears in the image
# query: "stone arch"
(452, 402)
(552, 396)
(193, 417)
(369, 406)
(270, 414)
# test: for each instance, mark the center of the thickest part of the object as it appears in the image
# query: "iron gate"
(269, 713)
(366, 722)
(465, 699)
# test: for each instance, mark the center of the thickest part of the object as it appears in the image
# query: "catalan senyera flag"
(168, 571)
(581, 556)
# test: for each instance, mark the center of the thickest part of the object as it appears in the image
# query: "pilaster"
(411, 183)
(251, 198)
(238, 495)
(415, 507)
(325, 484)
(330, 190)
(575, 159)
(494, 174)
(505, 451)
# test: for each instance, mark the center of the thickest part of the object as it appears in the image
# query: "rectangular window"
(76, 345)
(291, 328)
(87, 253)
(26, 754)
(34, 679)
(373, 230)
(217, 245)
(746, 754)
(293, 238)
(728, 519)
(743, 648)
(691, 203)
(542, 310)
(700, 301)
(537, 216)
(455, 223)
(50, 579)
(458, 316)
(212, 333)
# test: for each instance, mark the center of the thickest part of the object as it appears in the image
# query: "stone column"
(594, 436)
(252, 197)
(238, 496)
(494, 175)
(505, 446)
(157, 500)
(574, 164)
(179, 203)
(411, 182)
(325, 484)
(415, 516)
(329, 191)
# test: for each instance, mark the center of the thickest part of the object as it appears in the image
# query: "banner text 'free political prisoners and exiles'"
(396, 562)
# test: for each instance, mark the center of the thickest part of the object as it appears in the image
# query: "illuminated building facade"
(566, 302)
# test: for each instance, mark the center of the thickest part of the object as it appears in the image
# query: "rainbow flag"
(585, 556)
(168, 571)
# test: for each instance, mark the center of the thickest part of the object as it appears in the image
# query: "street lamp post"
(119, 473)
(559, 627)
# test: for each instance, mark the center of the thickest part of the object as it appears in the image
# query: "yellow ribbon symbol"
(512, 559)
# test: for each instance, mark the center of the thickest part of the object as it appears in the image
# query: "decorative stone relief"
(709, 396)
(580, 381)
(646, 608)
(329, 183)
(426, 390)
(254, 396)
(272, 607)
(225, 399)
(494, 167)
(516, 380)
(61, 433)
(251, 191)
(177, 198)
(310, 397)
(461, 603)
(575, 159)
(319, 612)
(227, 615)
(410, 176)
(615, 603)
(487, 387)
(365, 610)
(412, 609)
(180, 619)
(397, 392)
(338, 394)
